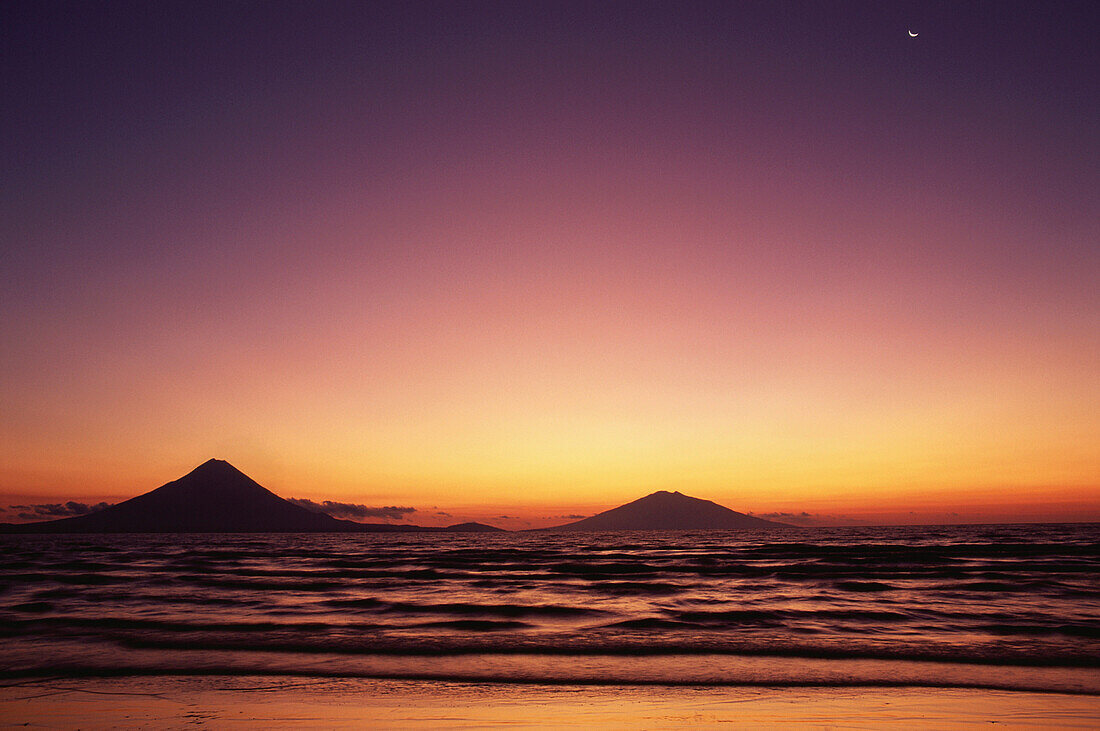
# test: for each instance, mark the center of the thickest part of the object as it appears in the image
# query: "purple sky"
(781, 255)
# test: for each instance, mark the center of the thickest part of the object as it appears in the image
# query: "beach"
(296, 702)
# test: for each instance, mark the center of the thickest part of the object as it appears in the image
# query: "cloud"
(445, 515)
(352, 510)
(804, 518)
(513, 518)
(46, 511)
(803, 514)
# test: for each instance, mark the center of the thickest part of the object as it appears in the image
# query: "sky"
(519, 261)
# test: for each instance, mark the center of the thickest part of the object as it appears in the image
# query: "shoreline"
(25, 662)
(19, 679)
(295, 701)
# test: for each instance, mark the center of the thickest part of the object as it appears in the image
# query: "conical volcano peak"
(664, 510)
(214, 476)
(216, 466)
(215, 497)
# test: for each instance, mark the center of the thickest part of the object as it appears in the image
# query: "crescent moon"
(913, 35)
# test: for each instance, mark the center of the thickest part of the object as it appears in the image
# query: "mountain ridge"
(664, 510)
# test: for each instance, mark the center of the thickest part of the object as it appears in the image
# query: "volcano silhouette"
(664, 510)
(215, 497)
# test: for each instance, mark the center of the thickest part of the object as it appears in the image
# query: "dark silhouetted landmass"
(215, 497)
(351, 510)
(474, 528)
(665, 510)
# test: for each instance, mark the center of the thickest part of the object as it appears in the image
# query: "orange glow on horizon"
(740, 330)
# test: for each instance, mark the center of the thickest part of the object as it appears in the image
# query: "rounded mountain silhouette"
(215, 497)
(664, 510)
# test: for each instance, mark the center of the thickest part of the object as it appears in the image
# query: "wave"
(475, 625)
(987, 596)
(461, 608)
(672, 671)
(862, 586)
(429, 645)
(78, 671)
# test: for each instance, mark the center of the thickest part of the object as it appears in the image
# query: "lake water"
(1006, 607)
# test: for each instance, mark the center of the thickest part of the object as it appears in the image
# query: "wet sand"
(286, 702)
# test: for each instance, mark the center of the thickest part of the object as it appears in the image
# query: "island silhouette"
(216, 497)
(664, 510)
